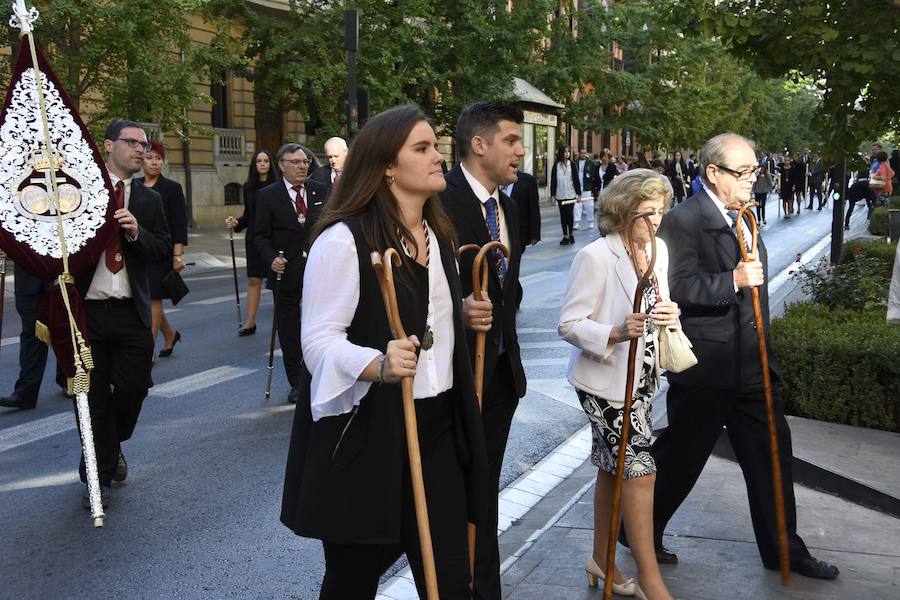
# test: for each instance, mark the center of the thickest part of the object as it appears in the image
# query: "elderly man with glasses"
(286, 213)
(712, 286)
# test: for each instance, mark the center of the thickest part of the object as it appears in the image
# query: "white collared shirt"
(293, 193)
(330, 300)
(106, 284)
(482, 194)
(724, 211)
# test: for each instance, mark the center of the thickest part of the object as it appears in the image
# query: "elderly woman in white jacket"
(597, 319)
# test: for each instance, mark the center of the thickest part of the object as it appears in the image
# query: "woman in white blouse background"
(597, 319)
(347, 481)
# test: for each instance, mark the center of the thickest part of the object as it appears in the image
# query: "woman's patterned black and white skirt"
(606, 430)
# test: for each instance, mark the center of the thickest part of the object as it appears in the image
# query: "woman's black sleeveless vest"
(344, 473)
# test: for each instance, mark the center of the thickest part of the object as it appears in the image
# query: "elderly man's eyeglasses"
(743, 173)
(297, 162)
(133, 143)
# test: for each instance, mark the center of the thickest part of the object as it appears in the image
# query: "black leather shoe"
(294, 395)
(168, 351)
(245, 331)
(16, 402)
(664, 556)
(105, 493)
(564, 241)
(121, 473)
(815, 568)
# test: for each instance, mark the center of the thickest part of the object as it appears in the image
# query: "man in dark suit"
(335, 152)
(489, 140)
(286, 212)
(524, 194)
(117, 305)
(712, 286)
(32, 351)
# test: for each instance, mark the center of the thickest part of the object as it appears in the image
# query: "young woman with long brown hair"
(347, 480)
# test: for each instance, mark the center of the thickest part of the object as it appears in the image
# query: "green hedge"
(878, 222)
(885, 252)
(839, 365)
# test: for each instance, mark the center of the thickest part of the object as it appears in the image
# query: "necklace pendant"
(427, 338)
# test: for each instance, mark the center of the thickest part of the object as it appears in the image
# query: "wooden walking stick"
(780, 520)
(615, 516)
(479, 285)
(384, 271)
(237, 294)
(274, 330)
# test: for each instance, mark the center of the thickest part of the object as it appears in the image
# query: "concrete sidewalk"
(713, 537)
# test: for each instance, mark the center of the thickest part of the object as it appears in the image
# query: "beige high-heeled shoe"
(595, 575)
(639, 593)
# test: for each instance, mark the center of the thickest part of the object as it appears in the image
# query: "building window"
(219, 93)
(233, 194)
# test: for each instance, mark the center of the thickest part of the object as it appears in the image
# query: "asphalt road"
(198, 515)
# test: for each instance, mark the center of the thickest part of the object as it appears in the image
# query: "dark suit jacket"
(611, 172)
(277, 229)
(464, 209)
(174, 207)
(323, 175)
(574, 180)
(153, 245)
(703, 252)
(525, 196)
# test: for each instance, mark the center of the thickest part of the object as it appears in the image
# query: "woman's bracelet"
(381, 369)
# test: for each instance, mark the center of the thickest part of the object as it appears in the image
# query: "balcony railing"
(228, 144)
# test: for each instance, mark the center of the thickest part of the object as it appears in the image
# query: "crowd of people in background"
(802, 180)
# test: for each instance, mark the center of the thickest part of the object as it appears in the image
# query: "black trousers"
(760, 197)
(122, 348)
(352, 571)
(289, 334)
(498, 407)
(566, 217)
(696, 417)
(815, 191)
(32, 351)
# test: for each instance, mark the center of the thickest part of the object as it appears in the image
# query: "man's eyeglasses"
(297, 162)
(133, 143)
(743, 173)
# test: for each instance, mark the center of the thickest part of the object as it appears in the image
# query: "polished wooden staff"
(384, 271)
(237, 294)
(615, 516)
(274, 329)
(479, 287)
(780, 520)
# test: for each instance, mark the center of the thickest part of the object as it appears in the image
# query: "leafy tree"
(116, 61)
(849, 48)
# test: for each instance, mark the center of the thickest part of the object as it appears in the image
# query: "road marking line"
(539, 276)
(215, 300)
(527, 330)
(538, 345)
(545, 362)
(10, 341)
(198, 381)
(19, 435)
(66, 478)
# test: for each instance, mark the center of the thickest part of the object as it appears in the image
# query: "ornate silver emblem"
(301, 218)
(27, 209)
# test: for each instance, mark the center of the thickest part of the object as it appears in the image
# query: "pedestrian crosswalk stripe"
(540, 276)
(547, 345)
(19, 435)
(545, 362)
(198, 381)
